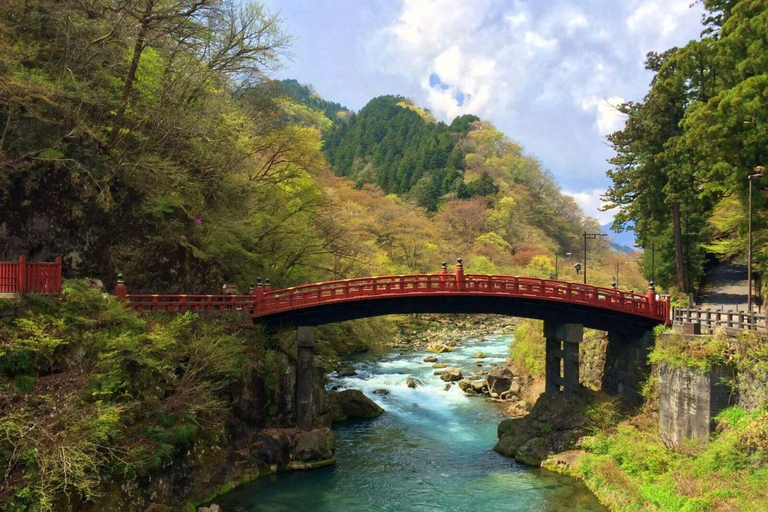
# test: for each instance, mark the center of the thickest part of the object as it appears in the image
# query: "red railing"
(21, 277)
(262, 301)
(195, 303)
(279, 301)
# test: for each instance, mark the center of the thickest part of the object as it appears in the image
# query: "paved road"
(726, 286)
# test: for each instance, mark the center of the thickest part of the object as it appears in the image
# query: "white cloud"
(608, 117)
(549, 74)
(591, 203)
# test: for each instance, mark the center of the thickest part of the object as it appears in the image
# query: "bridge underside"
(588, 316)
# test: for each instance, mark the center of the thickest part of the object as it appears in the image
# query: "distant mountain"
(624, 242)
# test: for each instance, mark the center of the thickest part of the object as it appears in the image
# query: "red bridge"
(566, 309)
(444, 292)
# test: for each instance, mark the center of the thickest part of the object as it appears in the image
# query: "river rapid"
(431, 451)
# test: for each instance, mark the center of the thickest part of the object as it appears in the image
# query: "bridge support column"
(305, 377)
(562, 357)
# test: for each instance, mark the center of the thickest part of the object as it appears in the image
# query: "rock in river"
(315, 445)
(430, 359)
(439, 348)
(499, 380)
(480, 355)
(451, 375)
(413, 382)
(381, 391)
(354, 404)
(346, 371)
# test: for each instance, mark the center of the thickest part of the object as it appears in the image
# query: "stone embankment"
(445, 331)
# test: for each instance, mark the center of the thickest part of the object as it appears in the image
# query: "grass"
(629, 468)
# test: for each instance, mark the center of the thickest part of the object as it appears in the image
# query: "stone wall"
(689, 400)
(752, 388)
(626, 366)
(592, 358)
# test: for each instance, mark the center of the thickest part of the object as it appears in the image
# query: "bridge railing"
(710, 319)
(194, 303)
(22, 277)
(443, 283)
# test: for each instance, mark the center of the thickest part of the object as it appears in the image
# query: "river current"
(431, 451)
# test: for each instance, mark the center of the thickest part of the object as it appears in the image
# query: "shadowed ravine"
(431, 451)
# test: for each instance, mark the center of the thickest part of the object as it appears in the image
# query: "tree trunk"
(679, 255)
(138, 48)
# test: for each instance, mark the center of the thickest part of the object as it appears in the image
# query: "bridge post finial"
(267, 286)
(120, 291)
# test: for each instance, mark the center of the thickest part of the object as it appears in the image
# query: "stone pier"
(562, 363)
(626, 365)
(305, 377)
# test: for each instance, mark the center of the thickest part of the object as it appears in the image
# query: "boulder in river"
(499, 380)
(451, 375)
(413, 382)
(346, 371)
(439, 365)
(315, 445)
(439, 348)
(465, 385)
(381, 391)
(430, 359)
(480, 355)
(354, 404)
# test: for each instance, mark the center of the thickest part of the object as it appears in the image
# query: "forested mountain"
(160, 149)
(684, 157)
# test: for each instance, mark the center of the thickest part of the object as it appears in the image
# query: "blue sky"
(545, 72)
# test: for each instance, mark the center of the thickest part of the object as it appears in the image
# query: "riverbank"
(104, 409)
(431, 450)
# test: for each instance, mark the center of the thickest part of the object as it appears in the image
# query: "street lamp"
(752, 177)
(653, 261)
(616, 278)
(556, 264)
(589, 236)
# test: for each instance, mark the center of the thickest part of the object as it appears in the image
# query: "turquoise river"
(431, 451)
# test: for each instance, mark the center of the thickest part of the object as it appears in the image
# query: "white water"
(430, 451)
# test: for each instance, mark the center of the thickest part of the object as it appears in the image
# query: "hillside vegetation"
(146, 138)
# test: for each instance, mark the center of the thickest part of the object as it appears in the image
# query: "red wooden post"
(58, 276)
(120, 291)
(21, 276)
(651, 299)
(444, 276)
(459, 274)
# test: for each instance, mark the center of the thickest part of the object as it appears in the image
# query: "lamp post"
(589, 236)
(556, 264)
(653, 261)
(616, 279)
(752, 177)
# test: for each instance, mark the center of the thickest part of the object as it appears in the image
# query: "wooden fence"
(711, 319)
(22, 277)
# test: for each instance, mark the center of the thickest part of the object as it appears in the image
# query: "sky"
(548, 73)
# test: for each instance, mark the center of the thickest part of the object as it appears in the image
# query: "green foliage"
(630, 469)
(697, 353)
(528, 348)
(128, 394)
